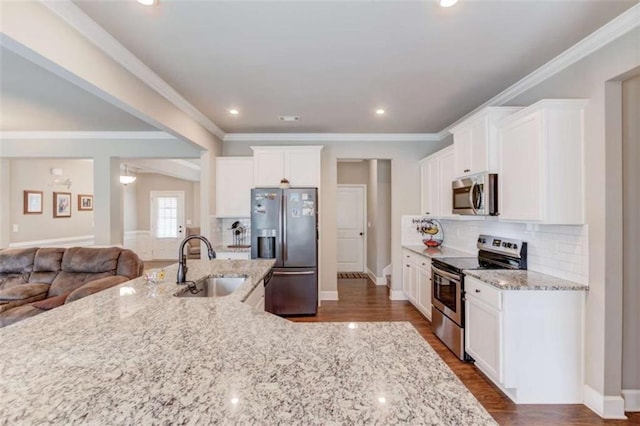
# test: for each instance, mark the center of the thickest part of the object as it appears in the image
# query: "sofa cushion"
(91, 260)
(24, 291)
(51, 302)
(48, 259)
(13, 280)
(129, 265)
(17, 260)
(66, 282)
(14, 315)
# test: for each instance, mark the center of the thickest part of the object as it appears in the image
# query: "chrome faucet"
(182, 258)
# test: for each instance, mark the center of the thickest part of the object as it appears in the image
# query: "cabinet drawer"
(475, 288)
(230, 255)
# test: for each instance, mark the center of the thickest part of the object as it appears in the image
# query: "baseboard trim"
(329, 295)
(397, 295)
(631, 399)
(80, 240)
(607, 407)
(376, 280)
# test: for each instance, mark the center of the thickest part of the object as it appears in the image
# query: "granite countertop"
(135, 354)
(506, 279)
(437, 252)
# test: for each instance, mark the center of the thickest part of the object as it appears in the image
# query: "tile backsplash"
(221, 233)
(558, 250)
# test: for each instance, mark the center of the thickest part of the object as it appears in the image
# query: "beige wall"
(130, 206)
(148, 182)
(631, 233)
(35, 174)
(405, 190)
(586, 79)
(353, 173)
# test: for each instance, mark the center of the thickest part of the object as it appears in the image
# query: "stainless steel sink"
(211, 287)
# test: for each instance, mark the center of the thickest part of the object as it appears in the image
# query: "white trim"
(328, 295)
(79, 240)
(631, 399)
(614, 29)
(332, 137)
(48, 135)
(397, 295)
(607, 407)
(97, 35)
(376, 280)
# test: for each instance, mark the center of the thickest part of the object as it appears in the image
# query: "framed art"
(85, 202)
(32, 202)
(61, 204)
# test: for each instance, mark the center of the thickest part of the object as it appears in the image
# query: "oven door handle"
(452, 277)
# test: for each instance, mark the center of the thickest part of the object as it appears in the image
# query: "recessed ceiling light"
(234, 111)
(148, 2)
(380, 111)
(448, 3)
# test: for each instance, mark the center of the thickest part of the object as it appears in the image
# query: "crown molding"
(97, 35)
(612, 30)
(48, 135)
(331, 137)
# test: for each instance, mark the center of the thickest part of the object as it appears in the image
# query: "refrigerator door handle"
(285, 211)
(294, 273)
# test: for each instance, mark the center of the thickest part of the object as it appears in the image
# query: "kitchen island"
(135, 354)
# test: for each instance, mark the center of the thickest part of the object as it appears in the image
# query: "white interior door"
(167, 223)
(351, 219)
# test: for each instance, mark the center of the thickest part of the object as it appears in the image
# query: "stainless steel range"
(447, 312)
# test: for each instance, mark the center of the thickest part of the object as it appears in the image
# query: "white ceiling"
(334, 62)
(33, 99)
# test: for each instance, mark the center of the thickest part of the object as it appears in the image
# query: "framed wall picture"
(61, 204)
(85, 202)
(32, 202)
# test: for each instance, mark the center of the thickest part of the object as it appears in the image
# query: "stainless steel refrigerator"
(284, 226)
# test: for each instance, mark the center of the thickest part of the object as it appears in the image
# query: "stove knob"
(504, 244)
(509, 245)
(515, 247)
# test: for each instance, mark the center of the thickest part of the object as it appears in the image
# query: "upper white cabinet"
(475, 142)
(436, 177)
(300, 165)
(541, 163)
(234, 180)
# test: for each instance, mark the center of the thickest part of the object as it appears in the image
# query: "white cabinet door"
(413, 284)
(424, 288)
(406, 279)
(462, 143)
(231, 255)
(302, 167)
(521, 171)
(447, 158)
(268, 166)
(234, 180)
(483, 336)
(430, 189)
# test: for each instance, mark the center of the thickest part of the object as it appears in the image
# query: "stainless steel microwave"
(476, 195)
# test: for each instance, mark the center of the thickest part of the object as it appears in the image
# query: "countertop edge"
(507, 280)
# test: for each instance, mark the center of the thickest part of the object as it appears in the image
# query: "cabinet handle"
(467, 170)
(423, 264)
(408, 266)
(427, 212)
(477, 291)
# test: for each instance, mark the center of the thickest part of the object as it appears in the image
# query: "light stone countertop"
(506, 279)
(134, 354)
(431, 252)
(227, 249)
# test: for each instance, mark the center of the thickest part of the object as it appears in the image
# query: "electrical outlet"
(15, 227)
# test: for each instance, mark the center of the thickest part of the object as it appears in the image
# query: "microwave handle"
(471, 200)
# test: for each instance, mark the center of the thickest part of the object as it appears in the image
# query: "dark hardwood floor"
(361, 300)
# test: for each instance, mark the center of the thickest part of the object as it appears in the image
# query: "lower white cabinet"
(256, 298)
(416, 281)
(528, 342)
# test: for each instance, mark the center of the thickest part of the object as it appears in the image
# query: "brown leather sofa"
(34, 280)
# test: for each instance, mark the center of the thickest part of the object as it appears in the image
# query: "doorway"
(351, 217)
(167, 223)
